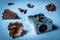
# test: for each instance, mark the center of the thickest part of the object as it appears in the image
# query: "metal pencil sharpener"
(41, 23)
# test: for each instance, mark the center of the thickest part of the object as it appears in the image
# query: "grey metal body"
(45, 21)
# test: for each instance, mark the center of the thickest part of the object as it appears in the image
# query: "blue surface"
(39, 8)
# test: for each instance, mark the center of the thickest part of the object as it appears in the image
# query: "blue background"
(39, 8)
